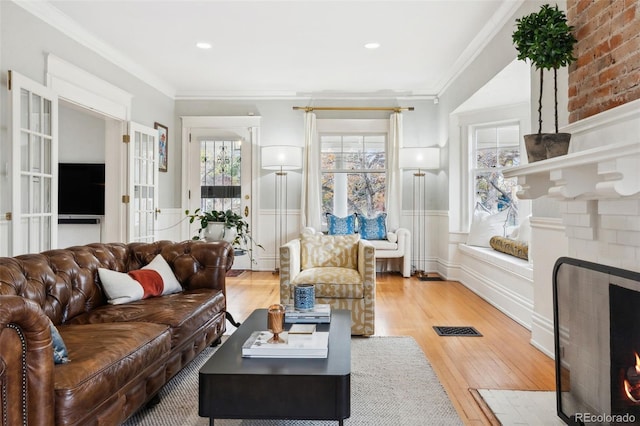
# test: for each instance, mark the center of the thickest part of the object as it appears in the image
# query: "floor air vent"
(456, 331)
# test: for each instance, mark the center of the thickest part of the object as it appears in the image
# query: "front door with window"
(222, 159)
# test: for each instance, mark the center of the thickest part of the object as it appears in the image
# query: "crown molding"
(51, 15)
(297, 96)
(480, 42)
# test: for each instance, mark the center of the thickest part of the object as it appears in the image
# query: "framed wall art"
(163, 146)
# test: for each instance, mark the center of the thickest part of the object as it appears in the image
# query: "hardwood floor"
(502, 358)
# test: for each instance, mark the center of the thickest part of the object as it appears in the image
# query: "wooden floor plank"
(502, 358)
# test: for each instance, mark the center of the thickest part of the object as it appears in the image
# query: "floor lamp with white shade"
(281, 158)
(419, 159)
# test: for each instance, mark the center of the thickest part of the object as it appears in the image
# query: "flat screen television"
(81, 189)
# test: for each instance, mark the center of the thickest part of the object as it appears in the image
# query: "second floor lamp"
(281, 159)
(420, 160)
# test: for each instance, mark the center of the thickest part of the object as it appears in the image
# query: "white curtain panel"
(311, 207)
(394, 177)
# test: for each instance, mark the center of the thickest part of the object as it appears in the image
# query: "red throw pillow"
(150, 280)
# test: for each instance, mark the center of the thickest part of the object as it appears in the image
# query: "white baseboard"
(542, 336)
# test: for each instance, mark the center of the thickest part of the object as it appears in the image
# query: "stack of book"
(296, 345)
(321, 313)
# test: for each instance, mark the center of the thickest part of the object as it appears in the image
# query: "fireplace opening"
(597, 343)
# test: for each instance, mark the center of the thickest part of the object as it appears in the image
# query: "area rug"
(516, 407)
(235, 272)
(392, 383)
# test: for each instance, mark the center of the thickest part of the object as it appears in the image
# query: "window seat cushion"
(509, 246)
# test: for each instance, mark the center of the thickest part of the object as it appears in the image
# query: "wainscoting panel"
(170, 224)
(502, 280)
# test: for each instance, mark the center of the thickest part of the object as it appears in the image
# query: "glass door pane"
(143, 180)
(34, 135)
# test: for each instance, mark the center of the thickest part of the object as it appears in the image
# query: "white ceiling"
(285, 48)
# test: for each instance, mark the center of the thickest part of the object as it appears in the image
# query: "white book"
(319, 310)
(315, 345)
(307, 320)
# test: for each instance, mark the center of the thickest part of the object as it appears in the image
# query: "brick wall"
(607, 71)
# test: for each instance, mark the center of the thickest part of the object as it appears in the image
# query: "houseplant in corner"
(216, 225)
(545, 38)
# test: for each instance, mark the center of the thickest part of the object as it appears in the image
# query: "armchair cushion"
(332, 282)
(319, 250)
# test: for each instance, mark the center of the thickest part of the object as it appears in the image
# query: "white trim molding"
(58, 20)
(85, 89)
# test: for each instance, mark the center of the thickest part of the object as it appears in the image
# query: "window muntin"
(494, 148)
(353, 170)
(220, 174)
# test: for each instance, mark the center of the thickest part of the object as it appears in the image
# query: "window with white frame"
(495, 147)
(353, 170)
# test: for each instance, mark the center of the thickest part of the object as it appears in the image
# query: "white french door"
(34, 133)
(143, 183)
(220, 175)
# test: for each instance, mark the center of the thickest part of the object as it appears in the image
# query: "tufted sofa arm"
(26, 363)
(196, 264)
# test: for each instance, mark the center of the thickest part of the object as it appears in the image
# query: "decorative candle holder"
(275, 322)
(304, 297)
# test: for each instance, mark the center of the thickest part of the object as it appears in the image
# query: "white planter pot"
(216, 231)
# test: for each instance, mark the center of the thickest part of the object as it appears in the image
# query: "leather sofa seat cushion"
(341, 283)
(183, 312)
(103, 359)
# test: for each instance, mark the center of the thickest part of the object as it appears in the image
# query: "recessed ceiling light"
(203, 45)
(372, 45)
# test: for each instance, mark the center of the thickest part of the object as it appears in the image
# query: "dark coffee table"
(233, 387)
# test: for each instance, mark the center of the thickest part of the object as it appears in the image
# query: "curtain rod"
(394, 109)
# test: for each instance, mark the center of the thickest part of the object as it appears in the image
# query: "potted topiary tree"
(545, 38)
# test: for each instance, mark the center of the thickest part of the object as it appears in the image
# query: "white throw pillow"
(121, 287)
(484, 226)
(524, 230)
(171, 284)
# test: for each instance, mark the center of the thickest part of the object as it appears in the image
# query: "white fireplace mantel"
(606, 172)
(603, 160)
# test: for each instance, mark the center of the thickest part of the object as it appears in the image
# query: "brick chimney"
(607, 71)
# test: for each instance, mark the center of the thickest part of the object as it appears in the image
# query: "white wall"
(280, 124)
(81, 136)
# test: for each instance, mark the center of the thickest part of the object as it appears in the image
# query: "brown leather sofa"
(120, 355)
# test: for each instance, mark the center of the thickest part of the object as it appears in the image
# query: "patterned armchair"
(343, 270)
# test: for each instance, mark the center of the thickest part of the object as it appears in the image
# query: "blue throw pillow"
(60, 354)
(341, 225)
(373, 229)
